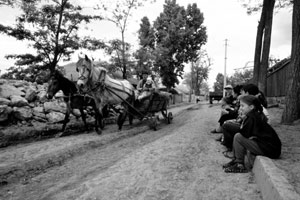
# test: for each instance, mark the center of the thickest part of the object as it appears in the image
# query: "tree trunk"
(262, 76)
(292, 107)
(56, 50)
(123, 56)
(258, 44)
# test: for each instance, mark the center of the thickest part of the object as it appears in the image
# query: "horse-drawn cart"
(149, 107)
(108, 91)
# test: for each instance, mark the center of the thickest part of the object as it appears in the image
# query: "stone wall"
(27, 115)
(25, 102)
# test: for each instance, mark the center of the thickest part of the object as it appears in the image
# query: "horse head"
(83, 67)
(88, 73)
(53, 84)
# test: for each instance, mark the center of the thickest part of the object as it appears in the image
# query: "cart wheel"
(170, 117)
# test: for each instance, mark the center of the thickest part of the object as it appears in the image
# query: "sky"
(223, 20)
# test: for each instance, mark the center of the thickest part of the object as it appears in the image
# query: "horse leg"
(83, 117)
(130, 117)
(121, 119)
(66, 120)
(98, 120)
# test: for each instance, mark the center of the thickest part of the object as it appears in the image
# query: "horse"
(106, 91)
(73, 99)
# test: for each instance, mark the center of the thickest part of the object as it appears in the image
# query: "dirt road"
(179, 161)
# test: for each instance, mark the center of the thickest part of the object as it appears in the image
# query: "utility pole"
(226, 40)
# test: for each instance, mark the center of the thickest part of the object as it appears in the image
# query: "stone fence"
(27, 114)
(25, 102)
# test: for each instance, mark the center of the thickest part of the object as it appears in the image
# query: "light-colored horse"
(105, 90)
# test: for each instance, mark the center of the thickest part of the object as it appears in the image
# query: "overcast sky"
(223, 19)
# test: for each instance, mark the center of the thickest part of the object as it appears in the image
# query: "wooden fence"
(277, 79)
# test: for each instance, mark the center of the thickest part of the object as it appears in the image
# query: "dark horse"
(73, 99)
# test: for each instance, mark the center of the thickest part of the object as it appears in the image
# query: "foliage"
(8, 2)
(119, 12)
(30, 74)
(219, 84)
(241, 77)
(145, 54)
(179, 35)
(256, 6)
(199, 73)
(50, 27)
(114, 49)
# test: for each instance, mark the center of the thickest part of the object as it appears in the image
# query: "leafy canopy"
(51, 29)
(179, 36)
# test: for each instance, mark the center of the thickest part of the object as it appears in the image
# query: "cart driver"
(147, 90)
(145, 87)
(142, 82)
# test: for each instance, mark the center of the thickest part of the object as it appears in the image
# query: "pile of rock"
(24, 102)
(27, 114)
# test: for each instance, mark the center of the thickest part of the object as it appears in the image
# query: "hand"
(224, 111)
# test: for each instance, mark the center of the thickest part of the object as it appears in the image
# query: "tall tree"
(51, 29)
(262, 46)
(199, 72)
(119, 12)
(179, 36)
(219, 84)
(115, 49)
(292, 106)
(144, 55)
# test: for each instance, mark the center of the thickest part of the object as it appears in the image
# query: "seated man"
(147, 90)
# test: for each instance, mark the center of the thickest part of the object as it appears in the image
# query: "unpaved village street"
(178, 161)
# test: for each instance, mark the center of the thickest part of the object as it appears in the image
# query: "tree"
(218, 85)
(199, 73)
(240, 77)
(292, 107)
(8, 2)
(144, 55)
(262, 46)
(51, 29)
(115, 49)
(263, 38)
(120, 11)
(179, 36)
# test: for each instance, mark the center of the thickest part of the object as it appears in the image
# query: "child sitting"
(255, 135)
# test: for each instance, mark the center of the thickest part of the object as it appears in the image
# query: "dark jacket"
(266, 137)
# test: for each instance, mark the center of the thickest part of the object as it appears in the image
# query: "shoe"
(237, 168)
(231, 163)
